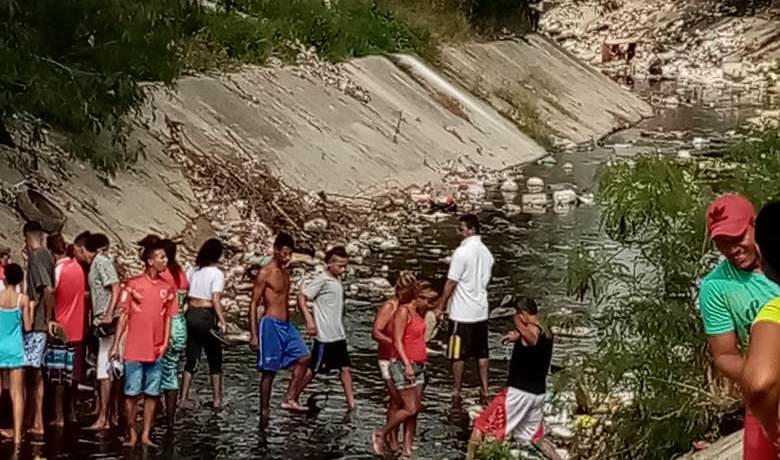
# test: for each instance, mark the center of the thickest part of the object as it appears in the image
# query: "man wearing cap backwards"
(731, 295)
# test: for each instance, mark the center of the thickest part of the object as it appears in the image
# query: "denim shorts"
(400, 381)
(143, 378)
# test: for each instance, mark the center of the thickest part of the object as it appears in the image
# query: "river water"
(530, 253)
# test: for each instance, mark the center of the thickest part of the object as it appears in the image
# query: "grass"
(524, 112)
(444, 19)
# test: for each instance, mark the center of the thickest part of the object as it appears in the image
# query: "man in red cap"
(731, 295)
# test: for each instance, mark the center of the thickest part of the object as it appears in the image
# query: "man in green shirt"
(731, 295)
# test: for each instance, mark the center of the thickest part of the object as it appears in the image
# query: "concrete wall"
(318, 137)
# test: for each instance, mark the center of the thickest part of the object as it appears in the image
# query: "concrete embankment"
(349, 128)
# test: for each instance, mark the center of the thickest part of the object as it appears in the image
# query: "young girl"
(408, 370)
(383, 334)
(16, 313)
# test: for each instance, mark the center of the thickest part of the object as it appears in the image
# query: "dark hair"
(148, 240)
(767, 224)
(209, 253)
(423, 285)
(150, 249)
(526, 304)
(81, 238)
(470, 221)
(13, 274)
(337, 251)
(173, 265)
(56, 244)
(96, 242)
(282, 240)
(32, 227)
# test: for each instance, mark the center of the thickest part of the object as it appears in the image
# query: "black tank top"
(530, 365)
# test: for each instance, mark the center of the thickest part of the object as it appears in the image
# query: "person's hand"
(409, 371)
(511, 337)
(137, 297)
(254, 343)
(54, 327)
(106, 318)
(221, 326)
(163, 349)
(114, 353)
(311, 329)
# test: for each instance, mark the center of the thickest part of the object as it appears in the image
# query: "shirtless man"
(275, 339)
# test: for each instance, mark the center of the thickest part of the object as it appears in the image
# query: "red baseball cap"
(729, 215)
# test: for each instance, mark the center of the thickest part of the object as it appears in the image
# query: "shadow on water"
(530, 253)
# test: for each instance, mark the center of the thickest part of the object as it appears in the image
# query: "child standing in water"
(16, 313)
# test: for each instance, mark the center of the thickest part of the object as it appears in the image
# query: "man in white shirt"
(465, 294)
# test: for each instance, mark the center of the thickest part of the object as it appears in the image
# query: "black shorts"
(473, 340)
(329, 356)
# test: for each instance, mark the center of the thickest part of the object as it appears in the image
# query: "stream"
(530, 252)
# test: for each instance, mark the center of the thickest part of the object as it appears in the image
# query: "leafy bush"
(650, 381)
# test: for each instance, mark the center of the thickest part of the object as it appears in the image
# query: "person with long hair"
(408, 370)
(205, 319)
(16, 316)
(176, 277)
(382, 332)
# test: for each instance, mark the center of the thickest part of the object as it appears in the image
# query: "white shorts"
(104, 350)
(513, 413)
(384, 369)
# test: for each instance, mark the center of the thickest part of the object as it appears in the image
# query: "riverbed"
(530, 251)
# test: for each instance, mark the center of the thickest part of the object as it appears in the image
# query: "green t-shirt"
(729, 299)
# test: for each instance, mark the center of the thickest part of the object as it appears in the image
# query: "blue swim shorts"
(280, 345)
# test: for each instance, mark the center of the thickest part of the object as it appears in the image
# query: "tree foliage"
(650, 383)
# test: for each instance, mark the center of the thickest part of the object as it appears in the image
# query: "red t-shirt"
(69, 298)
(150, 303)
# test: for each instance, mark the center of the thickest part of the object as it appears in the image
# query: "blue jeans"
(143, 378)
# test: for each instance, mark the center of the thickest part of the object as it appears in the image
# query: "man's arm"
(257, 301)
(449, 288)
(108, 316)
(303, 306)
(48, 302)
(761, 374)
(726, 356)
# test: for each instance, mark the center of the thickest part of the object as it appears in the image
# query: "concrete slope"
(575, 100)
(318, 138)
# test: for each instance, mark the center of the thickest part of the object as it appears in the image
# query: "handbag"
(106, 330)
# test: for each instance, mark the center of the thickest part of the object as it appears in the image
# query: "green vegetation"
(522, 109)
(649, 386)
(77, 65)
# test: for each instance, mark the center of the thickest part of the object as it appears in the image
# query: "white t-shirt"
(204, 282)
(327, 294)
(471, 267)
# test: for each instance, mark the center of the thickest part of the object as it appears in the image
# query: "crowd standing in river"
(70, 304)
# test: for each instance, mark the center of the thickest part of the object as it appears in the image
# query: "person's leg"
(59, 412)
(302, 375)
(192, 353)
(37, 398)
(150, 404)
(346, 382)
(103, 383)
(293, 350)
(474, 441)
(479, 348)
(266, 383)
(214, 356)
(393, 405)
(457, 378)
(484, 364)
(131, 409)
(410, 424)
(16, 385)
(171, 399)
(408, 408)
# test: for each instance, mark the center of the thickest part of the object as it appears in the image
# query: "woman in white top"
(205, 319)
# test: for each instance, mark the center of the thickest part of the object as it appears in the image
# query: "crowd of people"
(68, 316)
(68, 307)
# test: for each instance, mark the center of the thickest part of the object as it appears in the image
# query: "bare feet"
(294, 406)
(35, 431)
(148, 442)
(132, 440)
(99, 425)
(7, 433)
(378, 442)
(59, 423)
(186, 404)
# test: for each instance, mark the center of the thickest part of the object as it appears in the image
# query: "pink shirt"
(69, 298)
(150, 303)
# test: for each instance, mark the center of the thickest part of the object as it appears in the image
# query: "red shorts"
(755, 444)
(513, 413)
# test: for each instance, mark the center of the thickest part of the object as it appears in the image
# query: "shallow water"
(530, 253)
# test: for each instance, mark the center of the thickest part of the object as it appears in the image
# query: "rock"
(509, 196)
(568, 168)
(511, 209)
(684, 155)
(564, 197)
(586, 199)
(389, 244)
(317, 224)
(352, 248)
(534, 203)
(534, 184)
(509, 185)
(549, 160)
